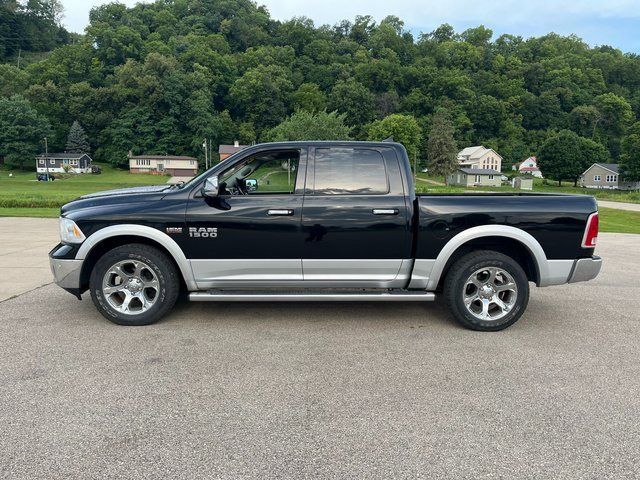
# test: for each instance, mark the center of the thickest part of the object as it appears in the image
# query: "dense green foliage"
(160, 77)
(401, 128)
(566, 155)
(630, 158)
(30, 26)
(22, 130)
(304, 125)
(441, 145)
(77, 141)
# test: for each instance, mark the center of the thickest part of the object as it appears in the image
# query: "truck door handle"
(385, 211)
(280, 213)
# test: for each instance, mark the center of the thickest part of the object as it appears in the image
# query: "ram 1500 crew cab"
(322, 221)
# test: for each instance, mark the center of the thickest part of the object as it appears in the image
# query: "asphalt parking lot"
(327, 391)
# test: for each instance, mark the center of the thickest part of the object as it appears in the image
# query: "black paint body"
(333, 226)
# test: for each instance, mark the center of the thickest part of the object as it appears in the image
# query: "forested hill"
(160, 77)
(30, 26)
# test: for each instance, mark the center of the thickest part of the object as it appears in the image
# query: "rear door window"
(349, 171)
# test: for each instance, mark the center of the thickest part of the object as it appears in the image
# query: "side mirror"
(252, 184)
(211, 187)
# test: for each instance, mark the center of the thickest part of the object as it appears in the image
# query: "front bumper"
(66, 273)
(585, 269)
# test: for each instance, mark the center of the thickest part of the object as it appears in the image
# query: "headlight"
(70, 232)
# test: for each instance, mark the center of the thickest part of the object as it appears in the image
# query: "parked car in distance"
(321, 221)
(44, 177)
(96, 169)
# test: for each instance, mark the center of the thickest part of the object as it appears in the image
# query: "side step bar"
(246, 296)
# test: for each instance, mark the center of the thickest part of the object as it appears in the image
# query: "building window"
(143, 161)
(73, 162)
(490, 177)
(611, 178)
(52, 162)
(596, 178)
(477, 179)
(41, 161)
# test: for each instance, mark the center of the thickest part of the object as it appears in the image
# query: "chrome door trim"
(351, 269)
(218, 272)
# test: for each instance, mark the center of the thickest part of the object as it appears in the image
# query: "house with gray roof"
(606, 175)
(475, 177)
(63, 163)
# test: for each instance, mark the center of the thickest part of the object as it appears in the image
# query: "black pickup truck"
(321, 221)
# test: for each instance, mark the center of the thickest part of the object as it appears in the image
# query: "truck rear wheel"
(134, 285)
(486, 291)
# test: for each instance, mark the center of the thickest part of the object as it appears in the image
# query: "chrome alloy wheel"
(490, 293)
(130, 287)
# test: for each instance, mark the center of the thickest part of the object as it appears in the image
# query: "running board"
(246, 296)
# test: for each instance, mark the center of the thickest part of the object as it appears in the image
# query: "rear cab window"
(349, 171)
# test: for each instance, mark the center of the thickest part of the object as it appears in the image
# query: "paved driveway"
(327, 391)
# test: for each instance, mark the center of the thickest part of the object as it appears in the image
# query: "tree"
(21, 132)
(584, 119)
(441, 144)
(262, 95)
(77, 141)
(354, 100)
(309, 97)
(630, 158)
(566, 155)
(304, 125)
(403, 128)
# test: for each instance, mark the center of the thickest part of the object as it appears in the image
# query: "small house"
(605, 175)
(174, 165)
(63, 163)
(528, 167)
(475, 177)
(226, 151)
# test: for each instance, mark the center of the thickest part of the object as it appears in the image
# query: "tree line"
(160, 77)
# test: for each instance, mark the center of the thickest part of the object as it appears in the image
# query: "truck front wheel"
(486, 291)
(134, 284)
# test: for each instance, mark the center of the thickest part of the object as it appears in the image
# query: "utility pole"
(210, 153)
(206, 162)
(19, 56)
(46, 157)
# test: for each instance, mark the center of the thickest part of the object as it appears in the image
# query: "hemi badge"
(174, 229)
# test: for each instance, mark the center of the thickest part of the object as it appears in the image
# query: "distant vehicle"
(44, 177)
(320, 233)
(504, 178)
(96, 170)
(424, 170)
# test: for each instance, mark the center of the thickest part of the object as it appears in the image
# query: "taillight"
(591, 232)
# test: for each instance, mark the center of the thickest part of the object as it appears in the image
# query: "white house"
(528, 167)
(479, 157)
(175, 165)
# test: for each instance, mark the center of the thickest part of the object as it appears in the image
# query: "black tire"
(159, 265)
(456, 287)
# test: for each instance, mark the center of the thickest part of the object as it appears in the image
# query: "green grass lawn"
(619, 221)
(22, 190)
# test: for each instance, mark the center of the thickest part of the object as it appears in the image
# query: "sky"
(598, 22)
